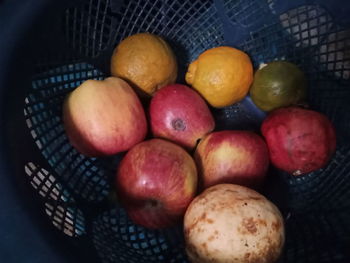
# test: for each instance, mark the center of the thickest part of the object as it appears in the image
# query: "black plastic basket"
(58, 205)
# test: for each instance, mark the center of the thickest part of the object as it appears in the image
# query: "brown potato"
(229, 223)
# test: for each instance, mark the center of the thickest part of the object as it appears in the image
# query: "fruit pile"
(177, 167)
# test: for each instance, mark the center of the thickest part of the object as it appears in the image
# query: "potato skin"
(229, 223)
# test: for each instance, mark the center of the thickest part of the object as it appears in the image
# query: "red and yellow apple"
(238, 157)
(300, 140)
(104, 117)
(178, 113)
(156, 181)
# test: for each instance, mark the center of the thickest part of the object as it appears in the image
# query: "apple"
(104, 117)
(300, 140)
(178, 113)
(156, 181)
(238, 157)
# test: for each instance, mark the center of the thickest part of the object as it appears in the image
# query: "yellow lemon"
(222, 75)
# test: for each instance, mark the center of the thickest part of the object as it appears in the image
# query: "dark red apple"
(300, 140)
(238, 157)
(156, 181)
(104, 117)
(180, 114)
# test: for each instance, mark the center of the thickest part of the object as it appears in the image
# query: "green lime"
(278, 84)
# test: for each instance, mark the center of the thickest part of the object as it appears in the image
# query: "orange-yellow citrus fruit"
(146, 61)
(222, 75)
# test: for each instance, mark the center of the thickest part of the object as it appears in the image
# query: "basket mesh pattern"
(43, 114)
(88, 29)
(308, 242)
(117, 238)
(77, 192)
(60, 206)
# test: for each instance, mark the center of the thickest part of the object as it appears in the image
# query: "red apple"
(104, 117)
(180, 114)
(300, 140)
(237, 157)
(156, 181)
